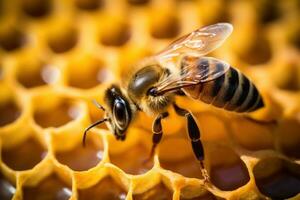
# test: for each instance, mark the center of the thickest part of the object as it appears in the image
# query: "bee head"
(119, 112)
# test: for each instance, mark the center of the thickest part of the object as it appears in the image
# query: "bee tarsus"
(194, 135)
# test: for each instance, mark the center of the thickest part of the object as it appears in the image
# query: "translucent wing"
(195, 70)
(202, 41)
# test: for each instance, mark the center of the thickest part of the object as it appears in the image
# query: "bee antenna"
(91, 126)
(98, 105)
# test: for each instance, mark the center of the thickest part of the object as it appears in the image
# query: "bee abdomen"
(232, 91)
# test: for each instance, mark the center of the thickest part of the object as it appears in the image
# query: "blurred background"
(58, 55)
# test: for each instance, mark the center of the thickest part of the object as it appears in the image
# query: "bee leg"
(194, 135)
(157, 133)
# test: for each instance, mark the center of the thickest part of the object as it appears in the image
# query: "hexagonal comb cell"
(81, 158)
(227, 170)
(11, 38)
(180, 159)
(164, 24)
(62, 38)
(10, 111)
(89, 5)
(277, 178)
(17, 157)
(7, 189)
(93, 74)
(115, 32)
(106, 189)
(62, 112)
(259, 51)
(134, 161)
(138, 2)
(207, 196)
(37, 8)
(159, 192)
(52, 187)
(36, 73)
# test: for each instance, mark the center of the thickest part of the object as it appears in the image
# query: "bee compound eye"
(120, 114)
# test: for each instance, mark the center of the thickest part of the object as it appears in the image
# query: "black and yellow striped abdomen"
(231, 91)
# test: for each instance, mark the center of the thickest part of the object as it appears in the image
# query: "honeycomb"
(58, 55)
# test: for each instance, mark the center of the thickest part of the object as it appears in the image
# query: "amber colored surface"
(93, 74)
(258, 53)
(188, 167)
(55, 117)
(282, 180)
(7, 190)
(33, 79)
(9, 113)
(207, 196)
(159, 192)
(51, 188)
(63, 41)
(71, 50)
(86, 157)
(135, 160)
(12, 39)
(227, 170)
(89, 5)
(37, 8)
(230, 177)
(106, 189)
(18, 157)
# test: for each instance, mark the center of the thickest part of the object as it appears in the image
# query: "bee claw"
(206, 177)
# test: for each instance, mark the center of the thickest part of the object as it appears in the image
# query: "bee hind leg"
(194, 135)
(157, 133)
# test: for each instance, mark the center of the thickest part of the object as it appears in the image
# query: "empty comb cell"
(57, 56)
(11, 38)
(106, 189)
(93, 74)
(51, 187)
(62, 37)
(16, 157)
(89, 5)
(81, 158)
(277, 178)
(65, 111)
(32, 73)
(227, 173)
(180, 159)
(36, 8)
(160, 191)
(115, 31)
(135, 161)
(10, 112)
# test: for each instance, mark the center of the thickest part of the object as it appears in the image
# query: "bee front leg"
(194, 135)
(157, 133)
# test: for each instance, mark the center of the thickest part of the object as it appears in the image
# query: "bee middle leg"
(157, 133)
(194, 135)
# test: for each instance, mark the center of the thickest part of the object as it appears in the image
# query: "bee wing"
(193, 73)
(202, 41)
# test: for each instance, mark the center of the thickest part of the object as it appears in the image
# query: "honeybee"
(179, 69)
